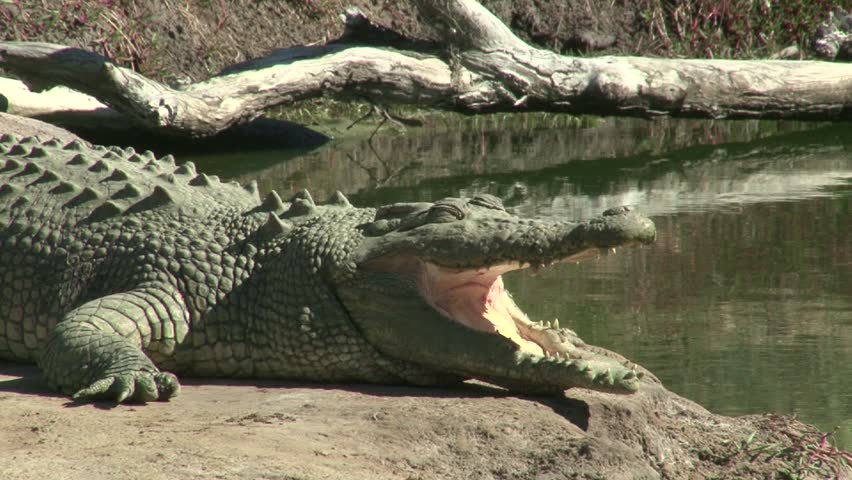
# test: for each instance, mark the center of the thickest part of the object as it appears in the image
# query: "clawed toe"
(138, 386)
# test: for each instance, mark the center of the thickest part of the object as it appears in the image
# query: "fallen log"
(479, 66)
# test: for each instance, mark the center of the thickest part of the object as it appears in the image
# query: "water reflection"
(444, 159)
(744, 303)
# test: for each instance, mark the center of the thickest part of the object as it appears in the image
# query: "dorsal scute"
(159, 197)
(128, 191)
(82, 179)
(104, 211)
(47, 177)
(187, 168)
(10, 165)
(30, 168)
(9, 138)
(274, 226)
(37, 152)
(338, 199)
(272, 203)
(305, 195)
(75, 145)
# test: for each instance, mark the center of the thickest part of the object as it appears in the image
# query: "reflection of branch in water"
(390, 174)
(386, 116)
(397, 120)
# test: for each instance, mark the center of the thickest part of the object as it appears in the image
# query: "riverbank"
(279, 430)
(190, 41)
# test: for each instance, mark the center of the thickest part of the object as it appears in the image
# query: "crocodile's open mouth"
(477, 298)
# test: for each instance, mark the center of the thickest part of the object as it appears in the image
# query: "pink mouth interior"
(476, 299)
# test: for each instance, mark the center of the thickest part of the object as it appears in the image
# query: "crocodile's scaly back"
(73, 182)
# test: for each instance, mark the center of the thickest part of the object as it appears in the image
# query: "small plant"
(802, 455)
(729, 28)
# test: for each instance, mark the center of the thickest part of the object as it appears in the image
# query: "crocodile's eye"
(487, 201)
(399, 210)
(444, 212)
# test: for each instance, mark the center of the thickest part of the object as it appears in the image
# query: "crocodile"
(120, 270)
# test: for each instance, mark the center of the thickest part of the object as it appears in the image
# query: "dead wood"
(478, 66)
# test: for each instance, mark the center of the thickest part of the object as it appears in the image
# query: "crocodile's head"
(428, 288)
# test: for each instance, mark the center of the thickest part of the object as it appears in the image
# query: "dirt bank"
(267, 430)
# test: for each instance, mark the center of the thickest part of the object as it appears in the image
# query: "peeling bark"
(480, 66)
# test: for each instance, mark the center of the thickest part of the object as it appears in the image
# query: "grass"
(337, 119)
(113, 28)
(801, 454)
(729, 28)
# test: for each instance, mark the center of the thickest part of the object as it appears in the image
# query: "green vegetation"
(113, 28)
(803, 454)
(729, 28)
(340, 120)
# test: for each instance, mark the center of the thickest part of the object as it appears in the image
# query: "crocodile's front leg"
(96, 351)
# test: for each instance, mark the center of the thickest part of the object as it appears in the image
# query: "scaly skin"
(117, 268)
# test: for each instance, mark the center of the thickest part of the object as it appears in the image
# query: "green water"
(743, 304)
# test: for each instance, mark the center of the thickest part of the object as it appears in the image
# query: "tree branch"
(484, 67)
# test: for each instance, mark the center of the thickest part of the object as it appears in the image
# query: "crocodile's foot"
(140, 386)
(84, 355)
